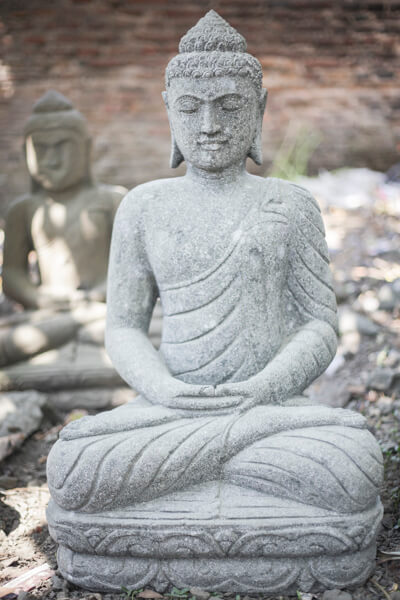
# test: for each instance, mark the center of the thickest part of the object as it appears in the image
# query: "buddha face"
(214, 119)
(57, 158)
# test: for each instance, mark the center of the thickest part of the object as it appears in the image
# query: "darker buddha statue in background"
(66, 219)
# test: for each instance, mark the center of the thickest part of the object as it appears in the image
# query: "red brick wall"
(331, 67)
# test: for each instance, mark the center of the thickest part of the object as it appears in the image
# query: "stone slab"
(20, 415)
(90, 398)
(57, 377)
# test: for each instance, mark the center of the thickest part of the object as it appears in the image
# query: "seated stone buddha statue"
(221, 474)
(66, 221)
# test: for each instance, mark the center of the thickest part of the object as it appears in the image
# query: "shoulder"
(154, 189)
(21, 205)
(137, 203)
(145, 196)
(111, 191)
(107, 197)
(299, 203)
(291, 193)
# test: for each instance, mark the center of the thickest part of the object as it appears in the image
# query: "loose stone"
(336, 595)
(381, 379)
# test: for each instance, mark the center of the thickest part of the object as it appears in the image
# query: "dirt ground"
(365, 249)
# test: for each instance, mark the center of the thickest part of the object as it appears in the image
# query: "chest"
(249, 239)
(76, 225)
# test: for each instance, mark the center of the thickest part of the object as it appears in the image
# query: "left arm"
(114, 198)
(302, 359)
(310, 312)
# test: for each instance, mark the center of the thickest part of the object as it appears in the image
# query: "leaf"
(27, 581)
(130, 593)
(149, 594)
(177, 593)
(390, 552)
(387, 555)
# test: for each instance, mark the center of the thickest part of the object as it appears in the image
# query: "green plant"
(293, 157)
(299, 595)
(131, 593)
(391, 453)
(177, 594)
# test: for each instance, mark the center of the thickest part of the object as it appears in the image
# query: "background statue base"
(80, 364)
(202, 538)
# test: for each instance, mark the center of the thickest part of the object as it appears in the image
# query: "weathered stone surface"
(220, 474)
(152, 551)
(20, 415)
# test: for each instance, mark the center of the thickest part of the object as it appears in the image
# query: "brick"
(333, 66)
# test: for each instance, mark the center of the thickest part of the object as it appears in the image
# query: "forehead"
(209, 88)
(54, 136)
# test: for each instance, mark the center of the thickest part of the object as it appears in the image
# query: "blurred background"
(332, 69)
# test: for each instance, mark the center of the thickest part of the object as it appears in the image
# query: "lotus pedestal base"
(219, 537)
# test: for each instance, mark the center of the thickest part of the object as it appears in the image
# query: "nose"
(51, 158)
(209, 123)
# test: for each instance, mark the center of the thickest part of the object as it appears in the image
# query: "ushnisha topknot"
(212, 33)
(212, 48)
(55, 111)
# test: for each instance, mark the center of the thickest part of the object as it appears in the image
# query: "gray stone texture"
(220, 475)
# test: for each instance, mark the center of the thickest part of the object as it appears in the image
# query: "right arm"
(131, 296)
(16, 280)
(17, 245)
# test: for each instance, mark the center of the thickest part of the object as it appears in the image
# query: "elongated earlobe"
(88, 161)
(255, 152)
(176, 157)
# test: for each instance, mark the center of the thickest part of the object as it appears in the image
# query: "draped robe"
(224, 325)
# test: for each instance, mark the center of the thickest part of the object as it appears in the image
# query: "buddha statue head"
(214, 98)
(57, 144)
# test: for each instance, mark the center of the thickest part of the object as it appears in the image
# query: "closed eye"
(40, 148)
(188, 109)
(187, 104)
(232, 102)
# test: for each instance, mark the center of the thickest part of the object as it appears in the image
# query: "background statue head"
(57, 144)
(214, 97)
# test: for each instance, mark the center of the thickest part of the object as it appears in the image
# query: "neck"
(64, 196)
(216, 180)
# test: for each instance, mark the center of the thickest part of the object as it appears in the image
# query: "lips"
(212, 144)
